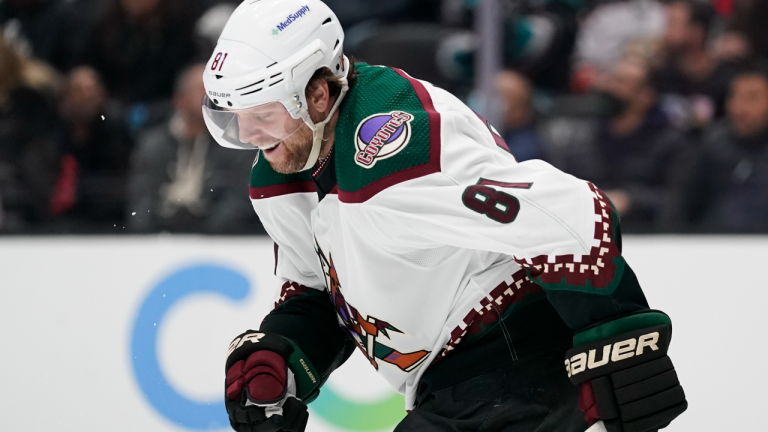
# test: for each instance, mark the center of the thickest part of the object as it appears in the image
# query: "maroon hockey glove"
(260, 388)
(624, 375)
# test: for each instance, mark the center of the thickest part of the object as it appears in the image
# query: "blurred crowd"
(662, 104)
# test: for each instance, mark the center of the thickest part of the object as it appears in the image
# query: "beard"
(297, 148)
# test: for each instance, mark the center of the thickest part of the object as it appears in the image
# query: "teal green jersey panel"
(388, 132)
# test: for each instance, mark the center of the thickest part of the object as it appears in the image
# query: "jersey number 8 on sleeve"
(497, 205)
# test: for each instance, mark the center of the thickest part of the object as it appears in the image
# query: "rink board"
(127, 334)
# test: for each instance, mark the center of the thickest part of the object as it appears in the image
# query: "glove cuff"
(306, 376)
(618, 352)
(614, 327)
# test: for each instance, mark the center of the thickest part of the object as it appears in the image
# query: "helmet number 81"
(218, 62)
(497, 205)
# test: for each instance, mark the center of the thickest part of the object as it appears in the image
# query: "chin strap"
(317, 143)
(319, 128)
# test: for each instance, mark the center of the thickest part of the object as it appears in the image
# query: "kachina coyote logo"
(366, 332)
(381, 136)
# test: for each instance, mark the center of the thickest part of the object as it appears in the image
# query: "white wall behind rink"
(68, 308)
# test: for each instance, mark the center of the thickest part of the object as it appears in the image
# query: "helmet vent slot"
(276, 83)
(250, 85)
(251, 92)
(327, 20)
(337, 44)
(219, 76)
(273, 76)
(271, 65)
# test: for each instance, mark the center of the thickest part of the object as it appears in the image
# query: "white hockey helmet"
(256, 78)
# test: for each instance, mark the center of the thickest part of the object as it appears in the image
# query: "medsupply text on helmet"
(293, 17)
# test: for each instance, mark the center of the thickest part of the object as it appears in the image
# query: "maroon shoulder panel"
(282, 189)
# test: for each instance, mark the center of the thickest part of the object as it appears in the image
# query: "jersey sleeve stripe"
(599, 272)
(282, 189)
(433, 166)
(497, 138)
(290, 290)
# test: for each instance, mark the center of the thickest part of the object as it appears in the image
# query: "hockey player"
(475, 285)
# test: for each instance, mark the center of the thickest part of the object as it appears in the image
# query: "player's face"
(291, 154)
(626, 81)
(285, 141)
(265, 125)
(748, 105)
(678, 34)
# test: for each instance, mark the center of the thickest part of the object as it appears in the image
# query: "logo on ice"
(291, 18)
(381, 136)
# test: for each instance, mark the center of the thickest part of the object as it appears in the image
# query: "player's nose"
(248, 130)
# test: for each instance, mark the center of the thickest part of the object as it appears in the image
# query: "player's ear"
(318, 98)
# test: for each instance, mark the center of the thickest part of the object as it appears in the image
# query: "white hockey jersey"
(432, 230)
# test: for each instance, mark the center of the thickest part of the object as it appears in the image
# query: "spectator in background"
(747, 32)
(610, 31)
(208, 28)
(540, 37)
(730, 191)
(693, 82)
(182, 181)
(733, 47)
(94, 147)
(519, 129)
(53, 31)
(538, 41)
(354, 12)
(634, 154)
(139, 46)
(27, 149)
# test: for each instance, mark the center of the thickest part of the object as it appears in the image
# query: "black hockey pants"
(530, 394)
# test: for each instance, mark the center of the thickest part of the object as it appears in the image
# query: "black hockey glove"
(626, 378)
(261, 390)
